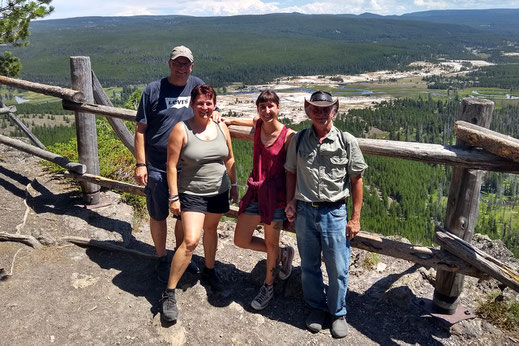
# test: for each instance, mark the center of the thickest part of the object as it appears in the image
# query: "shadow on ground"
(10, 186)
(386, 315)
(137, 276)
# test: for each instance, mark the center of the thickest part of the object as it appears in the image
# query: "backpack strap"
(299, 138)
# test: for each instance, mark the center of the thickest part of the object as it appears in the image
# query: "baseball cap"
(181, 51)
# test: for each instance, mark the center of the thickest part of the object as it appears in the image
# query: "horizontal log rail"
(47, 155)
(473, 158)
(426, 256)
(119, 113)
(108, 183)
(51, 90)
(451, 155)
(477, 258)
(493, 142)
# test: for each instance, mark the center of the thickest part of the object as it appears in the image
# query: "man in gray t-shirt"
(163, 104)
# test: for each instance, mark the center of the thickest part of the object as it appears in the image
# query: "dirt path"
(66, 294)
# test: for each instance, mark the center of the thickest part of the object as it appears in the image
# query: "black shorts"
(215, 204)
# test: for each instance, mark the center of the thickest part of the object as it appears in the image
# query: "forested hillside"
(492, 20)
(247, 49)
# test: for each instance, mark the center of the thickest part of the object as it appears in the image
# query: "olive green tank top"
(202, 165)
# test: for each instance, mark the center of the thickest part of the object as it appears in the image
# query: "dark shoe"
(192, 268)
(287, 255)
(210, 277)
(263, 298)
(315, 320)
(162, 269)
(169, 306)
(339, 327)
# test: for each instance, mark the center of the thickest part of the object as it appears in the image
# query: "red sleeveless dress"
(266, 183)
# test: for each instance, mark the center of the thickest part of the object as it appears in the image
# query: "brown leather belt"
(327, 204)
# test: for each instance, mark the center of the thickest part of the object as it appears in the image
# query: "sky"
(82, 8)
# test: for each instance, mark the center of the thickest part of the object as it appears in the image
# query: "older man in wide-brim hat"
(324, 167)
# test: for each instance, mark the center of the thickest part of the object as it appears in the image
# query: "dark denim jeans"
(323, 229)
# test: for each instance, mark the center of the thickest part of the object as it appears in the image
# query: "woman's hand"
(216, 116)
(234, 194)
(175, 207)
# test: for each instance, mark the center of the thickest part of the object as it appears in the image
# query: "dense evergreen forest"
(498, 76)
(246, 49)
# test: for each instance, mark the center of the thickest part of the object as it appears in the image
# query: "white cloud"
(225, 7)
(432, 5)
(75, 8)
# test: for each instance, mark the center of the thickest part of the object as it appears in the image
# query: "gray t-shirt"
(162, 106)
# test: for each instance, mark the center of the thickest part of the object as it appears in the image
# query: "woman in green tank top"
(199, 192)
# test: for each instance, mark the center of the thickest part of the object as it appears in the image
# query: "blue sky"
(75, 8)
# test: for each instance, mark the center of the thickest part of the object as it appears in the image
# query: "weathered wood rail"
(493, 142)
(466, 160)
(10, 112)
(47, 155)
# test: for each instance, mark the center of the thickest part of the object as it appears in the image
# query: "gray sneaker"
(339, 327)
(169, 306)
(263, 298)
(162, 269)
(287, 255)
(315, 320)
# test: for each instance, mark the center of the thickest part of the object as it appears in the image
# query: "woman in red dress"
(265, 199)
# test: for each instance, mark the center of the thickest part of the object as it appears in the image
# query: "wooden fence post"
(86, 132)
(462, 207)
(117, 124)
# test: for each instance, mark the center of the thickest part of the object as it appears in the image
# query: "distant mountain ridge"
(496, 20)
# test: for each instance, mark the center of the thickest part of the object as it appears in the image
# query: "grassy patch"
(500, 313)
(371, 260)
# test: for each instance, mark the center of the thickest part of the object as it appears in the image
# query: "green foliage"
(137, 202)
(9, 65)
(14, 28)
(115, 161)
(371, 260)
(50, 135)
(497, 76)
(133, 100)
(501, 313)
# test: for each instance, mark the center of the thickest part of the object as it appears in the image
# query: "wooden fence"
(477, 149)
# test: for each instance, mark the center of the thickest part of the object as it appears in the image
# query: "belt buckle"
(315, 205)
